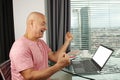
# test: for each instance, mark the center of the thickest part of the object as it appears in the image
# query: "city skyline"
(102, 21)
(102, 13)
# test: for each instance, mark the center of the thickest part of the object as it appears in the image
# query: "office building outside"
(94, 23)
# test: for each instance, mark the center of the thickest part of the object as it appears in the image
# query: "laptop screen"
(101, 55)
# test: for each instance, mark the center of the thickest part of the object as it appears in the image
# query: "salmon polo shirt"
(27, 54)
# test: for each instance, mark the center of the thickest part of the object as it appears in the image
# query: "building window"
(95, 22)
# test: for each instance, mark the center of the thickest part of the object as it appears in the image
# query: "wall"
(21, 9)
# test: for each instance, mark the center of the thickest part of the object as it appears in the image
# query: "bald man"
(29, 54)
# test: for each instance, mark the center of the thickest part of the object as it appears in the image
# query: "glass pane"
(95, 22)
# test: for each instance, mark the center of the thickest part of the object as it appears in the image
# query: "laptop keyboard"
(89, 66)
(86, 64)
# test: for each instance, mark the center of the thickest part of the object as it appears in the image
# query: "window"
(95, 22)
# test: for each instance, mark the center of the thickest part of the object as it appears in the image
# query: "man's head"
(36, 25)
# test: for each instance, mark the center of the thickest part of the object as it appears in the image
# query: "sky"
(102, 13)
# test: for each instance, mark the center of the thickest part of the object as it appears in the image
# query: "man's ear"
(31, 22)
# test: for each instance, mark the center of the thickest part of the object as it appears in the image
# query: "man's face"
(39, 27)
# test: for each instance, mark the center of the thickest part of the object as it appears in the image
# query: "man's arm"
(54, 55)
(31, 74)
(68, 39)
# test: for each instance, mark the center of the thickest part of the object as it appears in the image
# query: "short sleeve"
(21, 57)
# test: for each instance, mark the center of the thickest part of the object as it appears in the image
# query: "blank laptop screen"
(101, 55)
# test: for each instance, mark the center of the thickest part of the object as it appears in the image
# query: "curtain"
(6, 28)
(58, 19)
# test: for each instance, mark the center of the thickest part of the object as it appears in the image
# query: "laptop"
(95, 64)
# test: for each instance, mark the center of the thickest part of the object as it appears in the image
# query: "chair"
(5, 70)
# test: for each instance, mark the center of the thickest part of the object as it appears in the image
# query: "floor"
(61, 76)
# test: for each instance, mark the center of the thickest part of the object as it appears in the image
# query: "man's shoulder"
(20, 42)
(19, 45)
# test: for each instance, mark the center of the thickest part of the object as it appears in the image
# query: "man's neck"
(30, 37)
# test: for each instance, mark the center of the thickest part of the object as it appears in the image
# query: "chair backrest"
(5, 70)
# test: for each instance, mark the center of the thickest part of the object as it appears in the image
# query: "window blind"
(95, 22)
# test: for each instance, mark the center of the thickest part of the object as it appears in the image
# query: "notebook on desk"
(95, 64)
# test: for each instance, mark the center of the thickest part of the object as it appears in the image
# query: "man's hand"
(68, 37)
(63, 60)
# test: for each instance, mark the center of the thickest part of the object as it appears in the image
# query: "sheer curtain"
(58, 16)
(6, 28)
